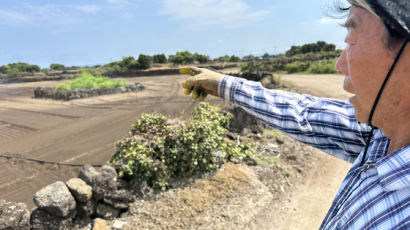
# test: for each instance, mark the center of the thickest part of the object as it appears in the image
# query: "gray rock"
(86, 209)
(102, 185)
(55, 199)
(42, 220)
(109, 172)
(119, 199)
(141, 188)
(81, 191)
(107, 211)
(14, 216)
(82, 224)
(242, 119)
(88, 173)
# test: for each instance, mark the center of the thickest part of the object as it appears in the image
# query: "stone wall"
(48, 92)
(76, 203)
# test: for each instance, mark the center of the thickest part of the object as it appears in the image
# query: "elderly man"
(371, 132)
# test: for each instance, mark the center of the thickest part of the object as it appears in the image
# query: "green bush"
(234, 59)
(296, 67)
(157, 152)
(201, 58)
(19, 67)
(144, 61)
(56, 66)
(88, 81)
(159, 58)
(180, 58)
(323, 67)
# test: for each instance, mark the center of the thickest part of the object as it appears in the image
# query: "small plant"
(89, 81)
(157, 152)
(56, 66)
(323, 67)
(296, 67)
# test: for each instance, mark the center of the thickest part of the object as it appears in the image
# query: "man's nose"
(341, 64)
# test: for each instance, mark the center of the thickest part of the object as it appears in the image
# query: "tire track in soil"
(85, 133)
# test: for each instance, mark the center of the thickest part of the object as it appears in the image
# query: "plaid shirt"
(373, 196)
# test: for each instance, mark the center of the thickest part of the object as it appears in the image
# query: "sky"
(90, 32)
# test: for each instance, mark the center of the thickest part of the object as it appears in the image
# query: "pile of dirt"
(231, 198)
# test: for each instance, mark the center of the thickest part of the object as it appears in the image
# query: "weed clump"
(157, 152)
(88, 81)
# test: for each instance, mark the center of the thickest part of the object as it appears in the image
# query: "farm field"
(85, 131)
(78, 131)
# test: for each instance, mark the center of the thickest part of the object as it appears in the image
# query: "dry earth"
(84, 131)
(78, 131)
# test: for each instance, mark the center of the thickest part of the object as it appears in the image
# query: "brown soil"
(295, 195)
(79, 131)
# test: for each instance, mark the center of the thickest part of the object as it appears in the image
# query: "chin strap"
(376, 101)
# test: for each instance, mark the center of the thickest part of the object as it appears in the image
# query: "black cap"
(395, 14)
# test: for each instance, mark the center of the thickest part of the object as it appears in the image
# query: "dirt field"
(79, 131)
(84, 131)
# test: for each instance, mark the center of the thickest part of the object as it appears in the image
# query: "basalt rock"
(14, 216)
(56, 199)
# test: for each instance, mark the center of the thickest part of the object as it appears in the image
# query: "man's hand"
(202, 83)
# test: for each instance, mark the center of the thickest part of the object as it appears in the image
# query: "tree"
(201, 58)
(234, 59)
(159, 58)
(55, 66)
(144, 61)
(182, 57)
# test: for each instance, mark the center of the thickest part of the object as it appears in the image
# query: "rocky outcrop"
(56, 199)
(14, 216)
(243, 122)
(52, 93)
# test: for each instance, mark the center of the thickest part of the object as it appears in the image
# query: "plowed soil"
(79, 131)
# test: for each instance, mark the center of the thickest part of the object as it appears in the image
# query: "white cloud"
(120, 2)
(328, 20)
(91, 9)
(47, 14)
(10, 17)
(204, 13)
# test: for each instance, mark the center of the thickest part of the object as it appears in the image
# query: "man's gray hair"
(363, 4)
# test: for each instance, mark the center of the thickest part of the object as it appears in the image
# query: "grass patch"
(88, 81)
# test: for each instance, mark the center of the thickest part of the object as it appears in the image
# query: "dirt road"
(307, 205)
(79, 131)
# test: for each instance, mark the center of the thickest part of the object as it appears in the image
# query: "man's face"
(365, 61)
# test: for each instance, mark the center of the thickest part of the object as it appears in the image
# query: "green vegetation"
(88, 81)
(323, 67)
(56, 66)
(159, 58)
(319, 46)
(19, 67)
(158, 153)
(297, 66)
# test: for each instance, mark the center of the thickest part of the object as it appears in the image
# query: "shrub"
(157, 152)
(19, 67)
(144, 61)
(183, 57)
(159, 58)
(296, 67)
(234, 59)
(88, 81)
(323, 67)
(56, 66)
(201, 58)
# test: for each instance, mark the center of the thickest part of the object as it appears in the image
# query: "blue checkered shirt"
(373, 196)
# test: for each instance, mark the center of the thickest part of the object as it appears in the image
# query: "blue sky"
(88, 32)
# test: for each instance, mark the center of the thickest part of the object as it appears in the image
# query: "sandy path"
(307, 205)
(79, 131)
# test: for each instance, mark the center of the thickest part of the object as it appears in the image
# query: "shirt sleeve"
(327, 124)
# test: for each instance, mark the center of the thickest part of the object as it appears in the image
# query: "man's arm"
(327, 124)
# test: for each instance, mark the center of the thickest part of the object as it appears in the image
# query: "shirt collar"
(394, 170)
